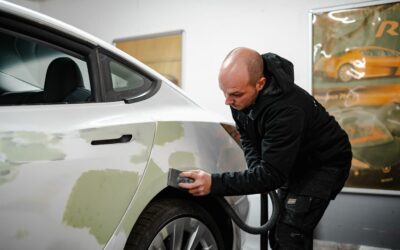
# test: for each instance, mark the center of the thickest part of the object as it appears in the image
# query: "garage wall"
(212, 28)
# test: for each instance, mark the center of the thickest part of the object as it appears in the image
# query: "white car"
(87, 137)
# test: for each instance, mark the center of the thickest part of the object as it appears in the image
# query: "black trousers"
(298, 218)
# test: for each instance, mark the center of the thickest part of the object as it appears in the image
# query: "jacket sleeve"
(253, 158)
(279, 146)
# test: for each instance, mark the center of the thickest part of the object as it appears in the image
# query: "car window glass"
(389, 53)
(379, 53)
(35, 73)
(368, 52)
(124, 78)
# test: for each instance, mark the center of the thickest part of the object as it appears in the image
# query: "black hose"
(253, 230)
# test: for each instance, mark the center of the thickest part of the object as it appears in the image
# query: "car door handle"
(122, 139)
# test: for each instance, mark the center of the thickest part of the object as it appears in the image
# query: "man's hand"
(201, 184)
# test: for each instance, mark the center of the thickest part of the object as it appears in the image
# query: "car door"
(70, 162)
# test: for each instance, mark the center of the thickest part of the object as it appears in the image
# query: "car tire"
(343, 73)
(175, 224)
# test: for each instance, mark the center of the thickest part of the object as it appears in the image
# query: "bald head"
(242, 61)
(241, 77)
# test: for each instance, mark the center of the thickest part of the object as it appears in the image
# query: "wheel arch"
(209, 203)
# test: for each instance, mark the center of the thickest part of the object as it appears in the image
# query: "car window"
(390, 53)
(379, 53)
(32, 72)
(367, 52)
(374, 52)
(124, 79)
(127, 82)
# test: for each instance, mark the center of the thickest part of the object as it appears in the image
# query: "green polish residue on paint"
(25, 146)
(98, 201)
(182, 160)
(20, 147)
(152, 182)
(168, 132)
(21, 234)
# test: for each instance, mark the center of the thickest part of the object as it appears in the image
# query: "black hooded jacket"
(289, 141)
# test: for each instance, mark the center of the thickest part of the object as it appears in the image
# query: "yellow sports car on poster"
(358, 63)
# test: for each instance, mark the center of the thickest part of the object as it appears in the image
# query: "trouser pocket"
(295, 208)
(298, 218)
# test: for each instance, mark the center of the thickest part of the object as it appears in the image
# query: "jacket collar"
(264, 98)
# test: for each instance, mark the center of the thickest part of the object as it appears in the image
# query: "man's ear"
(260, 83)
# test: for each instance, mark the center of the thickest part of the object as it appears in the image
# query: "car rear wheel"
(345, 73)
(175, 224)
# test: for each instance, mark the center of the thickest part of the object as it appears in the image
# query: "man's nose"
(228, 100)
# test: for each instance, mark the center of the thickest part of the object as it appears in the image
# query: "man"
(290, 142)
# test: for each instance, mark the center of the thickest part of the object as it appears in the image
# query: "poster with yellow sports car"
(356, 76)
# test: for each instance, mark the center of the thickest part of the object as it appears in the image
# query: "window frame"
(131, 95)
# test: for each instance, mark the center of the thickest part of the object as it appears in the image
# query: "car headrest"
(62, 77)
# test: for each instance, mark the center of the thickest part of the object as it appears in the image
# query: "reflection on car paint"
(98, 200)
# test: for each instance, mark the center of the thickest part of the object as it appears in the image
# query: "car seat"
(64, 82)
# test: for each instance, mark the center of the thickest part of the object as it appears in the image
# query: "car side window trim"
(131, 95)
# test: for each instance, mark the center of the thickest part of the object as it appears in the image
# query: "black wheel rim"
(184, 233)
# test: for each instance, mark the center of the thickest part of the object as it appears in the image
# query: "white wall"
(33, 5)
(212, 28)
